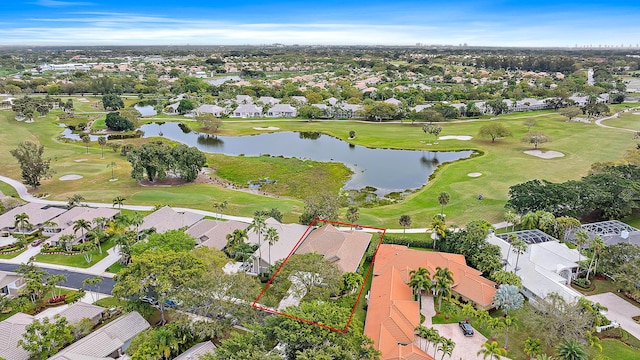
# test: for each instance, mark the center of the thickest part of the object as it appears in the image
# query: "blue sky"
(401, 22)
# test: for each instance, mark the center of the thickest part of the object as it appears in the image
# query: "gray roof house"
(282, 110)
(196, 350)
(611, 232)
(393, 101)
(299, 99)
(269, 100)
(68, 219)
(10, 283)
(244, 99)
(166, 219)
(247, 111)
(38, 214)
(80, 310)
(290, 235)
(110, 341)
(213, 233)
(11, 331)
(215, 110)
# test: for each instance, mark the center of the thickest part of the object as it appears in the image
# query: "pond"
(146, 110)
(387, 170)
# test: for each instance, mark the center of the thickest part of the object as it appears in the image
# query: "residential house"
(166, 219)
(11, 331)
(289, 237)
(419, 108)
(196, 351)
(348, 111)
(214, 110)
(109, 341)
(247, 111)
(393, 101)
(611, 232)
(299, 99)
(213, 233)
(343, 248)
(545, 267)
(172, 108)
(327, 111)
(38, 215)
(332, 101)
(282, 110)
(80, 310)
(10, 283)
(268, 100)
(244, 99)
(468, 282)
(68, 218)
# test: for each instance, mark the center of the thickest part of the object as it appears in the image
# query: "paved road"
(74, 279)
(620, 311)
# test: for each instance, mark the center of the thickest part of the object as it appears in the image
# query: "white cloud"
(60, 3)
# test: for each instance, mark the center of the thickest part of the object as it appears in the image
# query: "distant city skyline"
(404, 22)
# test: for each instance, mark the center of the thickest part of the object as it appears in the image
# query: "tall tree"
(112, 165)
(508, 298)
(581, 238)
(443, 199)
(494, 130)
(596, 246)
(74, 200)
(86, 140)
(532, 347)
(536, 138)
(112, 102)
(21, 222)
(271, 237)
(404, 221)
(519, 247)
(419, 280)
(353, 214)
(490, 349)
(258, 226)
(102, 141)
(34, 168)
(82, 225)
(443, 279)
(119, 200)
(44, 338)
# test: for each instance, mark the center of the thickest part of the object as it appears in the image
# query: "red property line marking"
(364, 282)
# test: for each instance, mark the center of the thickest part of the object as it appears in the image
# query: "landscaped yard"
(13, 254)
(77, 260)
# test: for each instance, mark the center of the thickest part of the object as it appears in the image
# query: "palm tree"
(491, 348)
(519, 247)
(112, 165)
(67, 241)
(532, 347)
(421, 332)
(571, 350)
(436, 345)
(419, 279)
(594, 341)
(21, 222)
(443, 199)
(446, 346)
(512, 238)
(581, 238)
(82, 225)
(596, 246)
(353, 214)
(258, 225)
(96, 235)
(544, 357)
(74, 200)
(119, 200)
(443, 281)
(530, 220)
(439, 229)
(136, 220)
(271, 237)
(404, 221)
(86, 140)
(508, 321)
(102, 141)
(511, 217)
(432, 335)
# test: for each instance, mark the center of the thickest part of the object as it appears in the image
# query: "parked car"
(37, 242)
(149, 300)
(467, 330)
(172, 303)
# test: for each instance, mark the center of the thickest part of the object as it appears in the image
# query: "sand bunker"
(474, 174)
(70, 177)
(272, 128)
(81, 160)
(83, 100)
(544, 154)
(453, 137)
(636, 113)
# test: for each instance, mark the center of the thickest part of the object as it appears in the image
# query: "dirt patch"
(474, 174)
(70, 177)
(544, 154)
(270, 128)
(81, 160)
(456, 137)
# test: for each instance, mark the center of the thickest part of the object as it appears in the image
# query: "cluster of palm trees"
(440, 343)
(236, 244)
(420, 279)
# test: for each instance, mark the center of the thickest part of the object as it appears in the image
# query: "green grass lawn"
(8, 190)
(616, 349)
(110, 302)
(76, 260)
(13, 254)
(626, 121)
(502, 164)
(115, 267)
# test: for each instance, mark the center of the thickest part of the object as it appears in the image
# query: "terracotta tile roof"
(392, 317)
(344, 248)
(468, 281)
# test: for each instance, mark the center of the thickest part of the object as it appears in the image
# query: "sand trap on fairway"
(81, 160)
(453, 137)
(636, 113)
(83, 100)
(544, 154)
(267, 128)
(70, 177)
(474, 174)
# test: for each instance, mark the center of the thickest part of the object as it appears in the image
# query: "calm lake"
(385, 169)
